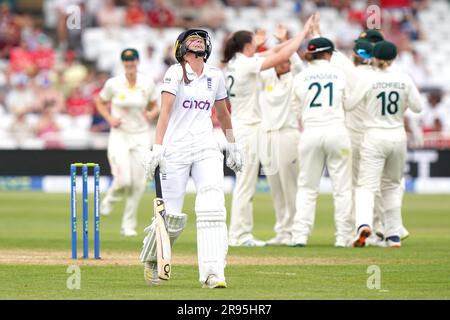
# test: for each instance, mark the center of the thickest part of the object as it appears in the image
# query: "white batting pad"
(212, 245)
(212, 239)
(175, 225)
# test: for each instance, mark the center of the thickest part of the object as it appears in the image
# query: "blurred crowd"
(50, 72)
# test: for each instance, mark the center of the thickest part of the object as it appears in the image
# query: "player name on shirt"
(389, 85)
(321, 76)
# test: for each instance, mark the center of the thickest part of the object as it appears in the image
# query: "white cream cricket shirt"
(276, 108)
(244, 86)
(355, 118)
(385, 96)
(128, 103)
(190, 119)
(318, 93)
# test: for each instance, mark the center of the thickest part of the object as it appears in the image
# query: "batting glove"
(235, 156)
(152, 159)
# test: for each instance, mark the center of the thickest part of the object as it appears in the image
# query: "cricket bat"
(163, 249)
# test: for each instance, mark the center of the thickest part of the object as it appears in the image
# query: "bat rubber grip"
(158, 183)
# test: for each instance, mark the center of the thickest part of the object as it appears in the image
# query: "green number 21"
(329, 85)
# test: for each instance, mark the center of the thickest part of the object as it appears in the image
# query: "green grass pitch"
(35, 255)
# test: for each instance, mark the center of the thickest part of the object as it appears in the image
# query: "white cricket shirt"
(355, 118)
(385, 96)
(243, 82)
(190, 119)
(318, 93)
(128, 103)
(276, 108)
(343, 63)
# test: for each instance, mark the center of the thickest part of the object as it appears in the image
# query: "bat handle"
(158, 183)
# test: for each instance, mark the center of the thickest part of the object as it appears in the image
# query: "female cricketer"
(386, 95)
(356, 68)
(279, 132)
(243, 76)
(185, 144)
(133, 98)
(319, 92)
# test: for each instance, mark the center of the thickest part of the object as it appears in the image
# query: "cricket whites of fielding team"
(294, 116)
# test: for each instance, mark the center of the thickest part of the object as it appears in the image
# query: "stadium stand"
(53, 62)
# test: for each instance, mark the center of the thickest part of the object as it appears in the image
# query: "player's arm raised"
(288, 49)
(282, 36)
(340, 60)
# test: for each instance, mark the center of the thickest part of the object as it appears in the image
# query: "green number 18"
(392, 106)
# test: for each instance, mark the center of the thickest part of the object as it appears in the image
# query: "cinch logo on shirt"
(203, 105)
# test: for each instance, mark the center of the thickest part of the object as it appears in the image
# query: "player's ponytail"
(311, 56)
(382, 64)
(236, 43)
(185, 77)
(308, 57)
(358, 61)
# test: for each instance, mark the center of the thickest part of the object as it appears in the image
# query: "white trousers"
(241, 221)
(356, 139)
(278, 154)
(383, 155)
(318, 147)
(125, 153)
(206, 169)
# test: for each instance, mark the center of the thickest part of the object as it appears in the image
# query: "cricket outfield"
(35, 257)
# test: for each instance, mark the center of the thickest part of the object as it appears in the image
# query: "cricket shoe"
(403, 233)
(213, 282)
(363, 233)
(128, 232)
(279, 240)
(375, 241)
(297, 244)
(151, 274)
(298, 241)
(393, 242)
(380, 235)
(248, 243)
(342, 243)
(105, 207)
